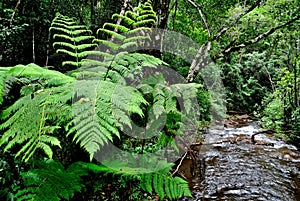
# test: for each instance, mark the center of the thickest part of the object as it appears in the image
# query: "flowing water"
(230, 167)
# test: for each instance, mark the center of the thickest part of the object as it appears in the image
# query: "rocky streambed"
(237, 161)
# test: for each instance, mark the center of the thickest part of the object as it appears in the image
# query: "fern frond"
(129, 44)
(72, 63)
(21, 131)
(144, 17)
(33, 72)
(138, 30)
(76, 39)
(72, 26)
(165, 185)
(154, 176)
(171, 187)
(25, 122)
(71, 32)
(122, 29)
(78, 47)
(111, 33)
(110, 44)
(50, 181)
(125, 18)
(144, 23)
(94, 113)
(64, 20)
(71, 39)
(134, 40)
(70, 53)
(130, 17)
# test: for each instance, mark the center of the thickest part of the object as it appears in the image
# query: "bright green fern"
(72, 39)
(93, 104)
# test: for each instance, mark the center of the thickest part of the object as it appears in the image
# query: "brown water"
(230, 167)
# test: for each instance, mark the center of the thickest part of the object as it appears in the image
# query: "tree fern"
(94, 105)
(95, 116)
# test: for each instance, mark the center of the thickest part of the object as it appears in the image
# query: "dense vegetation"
(79, 82)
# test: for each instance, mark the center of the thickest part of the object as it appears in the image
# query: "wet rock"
(244, 171)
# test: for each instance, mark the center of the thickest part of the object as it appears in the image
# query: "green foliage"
(33, 72)
(133, 28)
(248, 80)
(101, 111)
(49, 180)
(71, 39)
(159, 180)
(110, 89)
(163, 184)
(188, 25)
(282, 106)
(38, 107)
(170, 105)
(274, 112)
(119, 68)
(141, 16)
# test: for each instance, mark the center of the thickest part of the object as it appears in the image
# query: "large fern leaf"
(100, 109)
(72, 39)
(32, 120)
(33, 72)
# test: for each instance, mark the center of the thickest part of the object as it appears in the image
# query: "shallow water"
(230, 167)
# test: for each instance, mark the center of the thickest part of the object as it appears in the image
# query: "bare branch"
(13, 14)
(201, 15)
(224, 29)
(200, 61)
(256, 39)
(180, 163)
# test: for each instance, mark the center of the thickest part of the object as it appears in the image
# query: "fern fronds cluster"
(170, 106)
(112, 87)
(33, 118)
(49, 180)
(162, 183)
(154, 178)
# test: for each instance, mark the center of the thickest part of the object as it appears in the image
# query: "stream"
(229, 166)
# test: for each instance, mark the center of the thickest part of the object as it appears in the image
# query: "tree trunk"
(161, 7)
